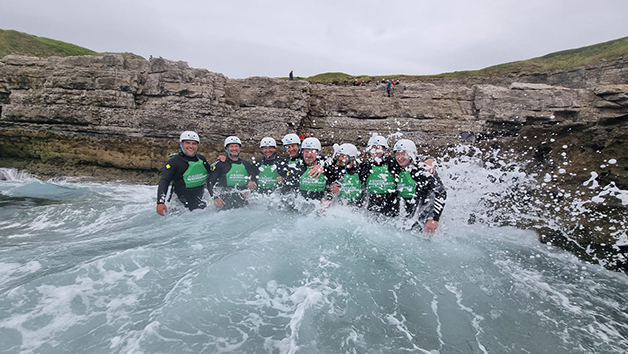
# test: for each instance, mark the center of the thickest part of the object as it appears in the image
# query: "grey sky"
(242, 38)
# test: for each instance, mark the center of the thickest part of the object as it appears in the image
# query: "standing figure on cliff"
(389, 88)
(231, 180)
(188, 172)
(421, 193)
(268, 178)
(291, 76)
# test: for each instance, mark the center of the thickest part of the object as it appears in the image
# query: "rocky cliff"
(112, 117)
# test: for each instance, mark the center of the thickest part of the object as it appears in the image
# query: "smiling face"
(377, 151)
(190, 147)
(343, 160)
(234, 150)
(309, 155)
(292, 149)
(402, 157)
(268, 151)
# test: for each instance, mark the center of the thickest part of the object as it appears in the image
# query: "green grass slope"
(592, 54)
(18, 43)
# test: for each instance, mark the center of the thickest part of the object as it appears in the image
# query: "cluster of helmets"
(313, 143)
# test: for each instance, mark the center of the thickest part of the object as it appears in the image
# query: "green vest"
(195, 175)
(380, 181)
(307, 183)
(237, 175)
(267, 177)
(406, 185)
(351, 187)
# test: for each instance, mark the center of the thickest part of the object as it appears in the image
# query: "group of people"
(393, 185)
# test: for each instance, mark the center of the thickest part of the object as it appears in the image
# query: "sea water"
(91, 268)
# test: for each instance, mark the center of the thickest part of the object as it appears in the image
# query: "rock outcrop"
(113, 117)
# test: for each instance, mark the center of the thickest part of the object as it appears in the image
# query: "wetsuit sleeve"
(440, 195)
(282, 166)
(293, 175)
(168, 173)
(394, 168)
(214, 175)
(252, 170)
(364, 171)
(427, 190)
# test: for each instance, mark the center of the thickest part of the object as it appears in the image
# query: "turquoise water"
(91, 268)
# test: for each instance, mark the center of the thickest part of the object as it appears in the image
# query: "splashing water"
(91, 268)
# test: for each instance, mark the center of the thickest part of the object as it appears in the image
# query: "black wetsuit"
(284, 163)
(173, 172)
(381, 192)
(229, 179)
(423, 193)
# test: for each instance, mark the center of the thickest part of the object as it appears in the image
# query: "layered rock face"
(113, 117)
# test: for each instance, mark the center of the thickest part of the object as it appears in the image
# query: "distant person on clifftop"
(188, 172)
(291, 76)
(389, 88)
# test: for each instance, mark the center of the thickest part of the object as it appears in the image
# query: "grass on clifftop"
(14, 42)
(592, 54)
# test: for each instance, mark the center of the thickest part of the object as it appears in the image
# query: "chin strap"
(229, 154)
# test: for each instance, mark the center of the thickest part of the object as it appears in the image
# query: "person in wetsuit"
(305, 175)
(345, 175)
(292, 145)
(421, 193)
(187, 171)
(381, 193)
(231, 180)
(268, 178)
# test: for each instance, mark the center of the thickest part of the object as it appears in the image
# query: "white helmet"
(291, 139)
(232, 140)
(189, 135)
(348, 149)
(311, 143)
(405, 145)
(378, 140)
(268, 141)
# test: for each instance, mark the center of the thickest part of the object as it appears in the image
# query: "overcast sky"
(243, 38)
